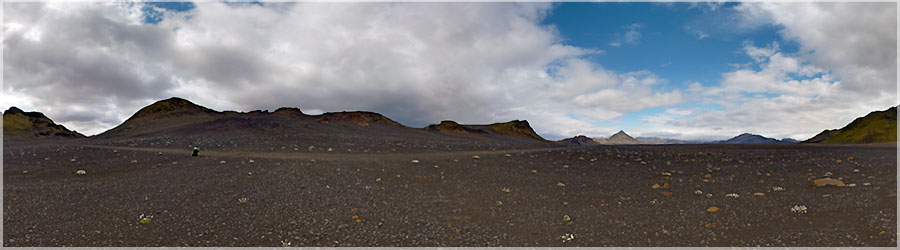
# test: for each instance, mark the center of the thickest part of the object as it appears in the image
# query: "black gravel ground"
(370, 193)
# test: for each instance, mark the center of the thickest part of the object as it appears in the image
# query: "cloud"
(95, 64)
(836, 76)
(631, 37)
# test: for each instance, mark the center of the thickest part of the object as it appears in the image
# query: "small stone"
(476, 157)
(828, 181)
(655, 186)
(709, 226)
(560, 184)
(222, 162)
(759, 194)
(668, 193)
(826, 195)
(415, 161)
(867, 184)
(713, 209)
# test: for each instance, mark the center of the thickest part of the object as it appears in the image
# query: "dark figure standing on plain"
(196, 152)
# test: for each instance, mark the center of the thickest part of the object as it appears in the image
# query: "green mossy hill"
(17, 123)
(446, 126)
(519, 129)
(876, 127)
(515, 128)
(170, 106)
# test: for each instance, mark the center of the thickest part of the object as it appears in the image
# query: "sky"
(695, 71)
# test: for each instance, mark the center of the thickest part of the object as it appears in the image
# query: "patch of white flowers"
(698, 192)
(568, 237)
(145, 219)
(732, 195)
(777, 189)
(800, 209)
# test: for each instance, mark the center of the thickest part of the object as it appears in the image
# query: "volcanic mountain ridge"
(579, 140)
(18, 124)
(516, 128)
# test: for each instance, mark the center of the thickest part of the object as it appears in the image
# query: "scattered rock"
(415, 161)
(759, 194)
(80, 172)
(713, 209)
(476, 157)
(828, 181)
(655, 186)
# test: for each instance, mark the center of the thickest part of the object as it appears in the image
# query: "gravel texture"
(369, 193)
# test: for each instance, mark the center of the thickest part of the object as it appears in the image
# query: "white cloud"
(631, 37)
(97, 63)
(846, 67)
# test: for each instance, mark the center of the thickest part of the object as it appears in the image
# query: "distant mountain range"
(619, 138)
(876, 127)
(180, 117)
(176, 116)
(18, 124)
(579, 140)
(747, 138)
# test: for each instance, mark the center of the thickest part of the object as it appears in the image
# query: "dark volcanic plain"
(366, 191)
(361, 179)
